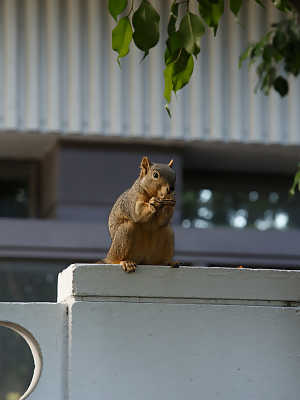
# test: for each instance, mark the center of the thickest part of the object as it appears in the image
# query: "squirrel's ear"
(145, 166)
(171, 163)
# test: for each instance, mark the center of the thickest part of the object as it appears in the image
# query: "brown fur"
(139, 220)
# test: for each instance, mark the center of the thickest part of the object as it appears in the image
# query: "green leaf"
(168, 56)
(211, 12)
(295, 184)
(168, 72)
(282, 5)
(174, 43)
(178, 73)
(191, 29)
(267, 77)
(245, 55)
(173, 18)
(146, 27)
(268, 53)
(116, 7)
(121, 37)
(168, 110)
(235, 6)
(281, 86)
(279, 40)
(183, 69)
(171, 56)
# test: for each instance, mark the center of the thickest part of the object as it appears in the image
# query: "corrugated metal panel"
(59, 74)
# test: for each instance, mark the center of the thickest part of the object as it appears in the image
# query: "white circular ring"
(36, 354)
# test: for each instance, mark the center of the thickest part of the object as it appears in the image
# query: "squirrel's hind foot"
(128, 266)
(174, 264)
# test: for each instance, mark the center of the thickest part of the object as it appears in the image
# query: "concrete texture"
(95, 280)
(143, 335)
(183, 351)
(167, 334)
(47, 323)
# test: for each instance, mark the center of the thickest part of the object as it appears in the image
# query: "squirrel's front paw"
(155, 202)
(168, 202)
(128, 266)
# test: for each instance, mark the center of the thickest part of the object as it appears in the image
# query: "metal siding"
(31, 117)
(9, 55)
(59, 74)
(95, 113)
(256, 100)
(234, 78)
(2, 63)
(53, 65)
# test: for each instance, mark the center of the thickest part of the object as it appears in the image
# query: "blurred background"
(74, 127)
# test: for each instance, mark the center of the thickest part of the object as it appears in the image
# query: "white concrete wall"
(47, 323)
(188, 333)
(164, 333)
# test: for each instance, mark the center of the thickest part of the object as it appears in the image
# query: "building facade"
(74, 127)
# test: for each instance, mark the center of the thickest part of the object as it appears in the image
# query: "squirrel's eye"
(155, 175)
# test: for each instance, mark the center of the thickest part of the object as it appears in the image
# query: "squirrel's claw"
(128, 266)
(174, 264)
(159, 203)
(168, 202)
(155, 202)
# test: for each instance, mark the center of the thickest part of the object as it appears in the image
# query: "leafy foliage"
(182, 45)
(282, 5)
(211, 12)
(177, 73)
(121, 37)
(146, 27)
(277, 54)
(277, 51)
(184, 34)
(235, 6)
(296, 183)
(116, 7)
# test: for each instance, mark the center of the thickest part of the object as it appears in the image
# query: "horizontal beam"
(83, 242)
(88, 280)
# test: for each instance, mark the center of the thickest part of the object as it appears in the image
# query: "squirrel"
(139, 222)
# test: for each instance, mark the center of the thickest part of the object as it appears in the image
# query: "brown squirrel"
(139, 220)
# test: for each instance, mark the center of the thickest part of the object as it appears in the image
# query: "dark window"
(18, 189)
(239, 201)
(14, 198)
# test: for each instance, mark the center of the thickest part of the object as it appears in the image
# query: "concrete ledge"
(94, 280)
